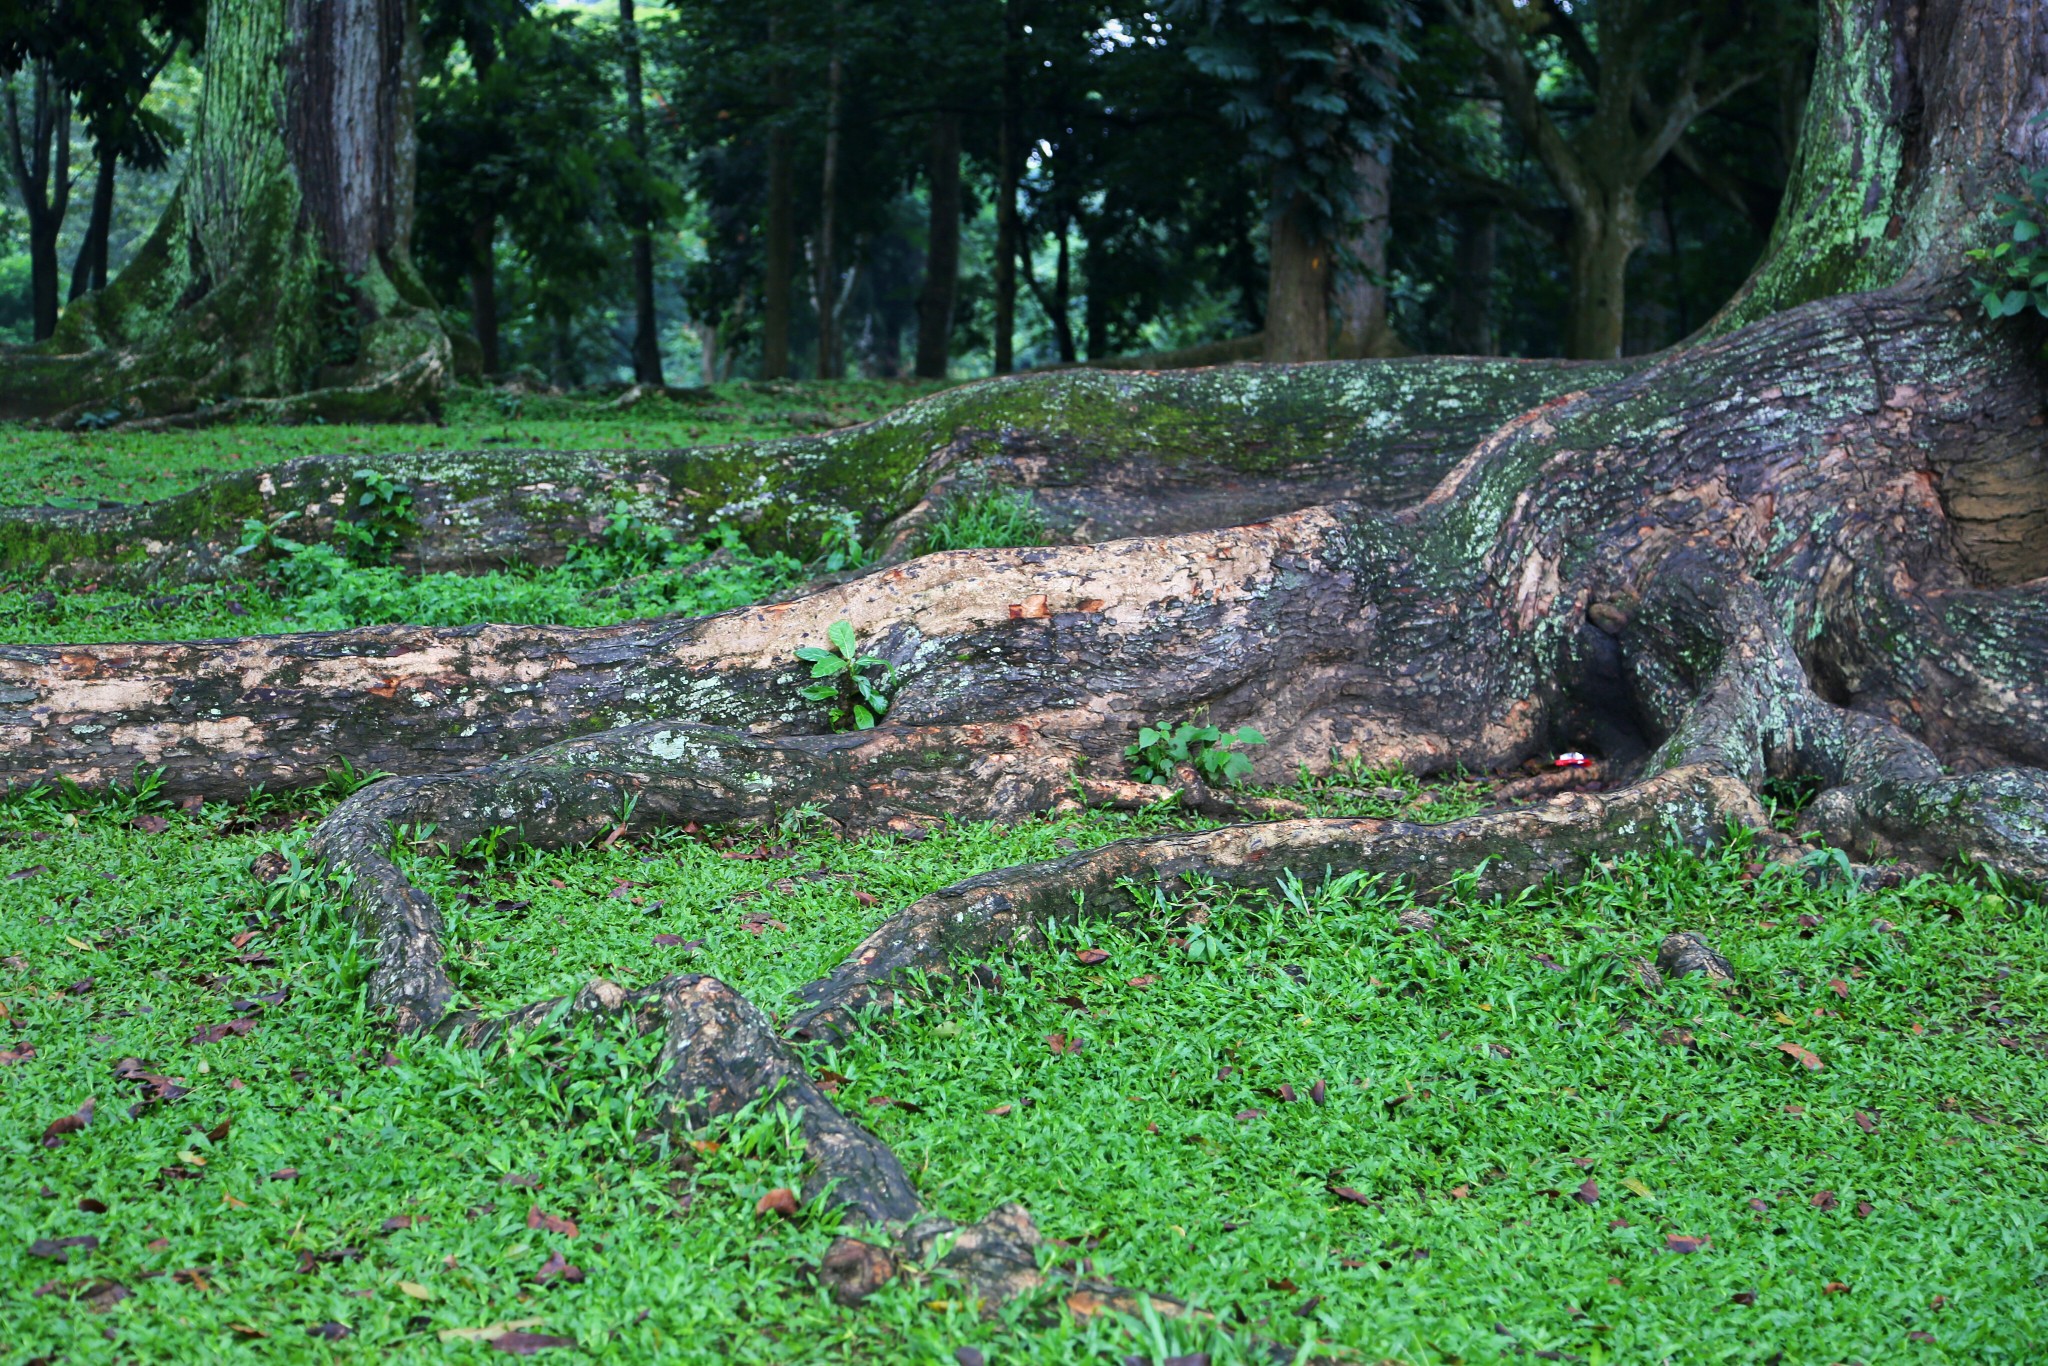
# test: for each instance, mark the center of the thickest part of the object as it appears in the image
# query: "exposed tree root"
(1102, 456)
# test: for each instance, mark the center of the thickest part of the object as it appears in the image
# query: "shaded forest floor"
(1515, 1148)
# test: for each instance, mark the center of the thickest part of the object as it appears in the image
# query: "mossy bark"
(278, 281)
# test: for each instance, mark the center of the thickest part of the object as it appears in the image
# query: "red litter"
(1571, 758)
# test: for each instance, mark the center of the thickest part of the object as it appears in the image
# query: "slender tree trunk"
(1297, 288)
(1359, 289)
(707, 344)
(483, 291)
(778, 273)
(826, 260)
(89, 268)
(1062, 296)
(1471, 303)
(40, 157)
(1602, 240)
(1095, 299)
(942, 249)
(1009, 136)
(646, 326)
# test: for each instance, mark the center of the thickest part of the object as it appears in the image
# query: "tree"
(281, 279)
(639, 211)
(1808, 546)
(1313, 89)
(1647, 71)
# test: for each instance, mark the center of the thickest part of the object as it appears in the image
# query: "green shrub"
(1212, 752)
(2019, 264)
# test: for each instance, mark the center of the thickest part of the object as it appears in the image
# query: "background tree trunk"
(40, 156)
(483, 291)
(646, 325)
(778, 270)
(1359, 288)
(1297, 288)
(282, 272)
(89, 270)
(1601, 243)
(825, 285)
(942, 249)
(1009, 151)
(1471, 304)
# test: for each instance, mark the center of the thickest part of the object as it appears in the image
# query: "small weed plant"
(984, 521)
(2017, 267)
(380, 516)
(1211, 751)
(854, 685)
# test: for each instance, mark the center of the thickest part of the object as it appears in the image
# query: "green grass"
(1472, 1087)
(1475, 1078)
(78, 468)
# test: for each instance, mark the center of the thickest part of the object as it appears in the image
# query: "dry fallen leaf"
(1802, 1056)
(781, 1200)
(415, 1289)
(487, 1332)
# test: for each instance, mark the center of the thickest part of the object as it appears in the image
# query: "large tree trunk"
(942, 249)
(1009, 151)
(1602, 240)
(1298, 276)
(1471, 304)
(778, 268)
(825, 263)
(298, 194)
(1814, 546)
(1358, 293)
(483, 291)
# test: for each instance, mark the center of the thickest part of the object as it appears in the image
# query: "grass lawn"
(1514, 1151)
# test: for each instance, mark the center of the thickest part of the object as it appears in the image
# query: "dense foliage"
(832, 188)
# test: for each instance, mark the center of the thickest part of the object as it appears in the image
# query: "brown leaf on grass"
(523, 1344)
(1356, 1197)
(1088, 958)
(53, 1135)
(34, 870)
(150, 825)
(1244, 1115)
(1803, 1057)
(853, 1270)
(59, 1249)
(519, 1179)
(1145, 981)
(1834, 1288)
(1864, 1209)
(1061, 1043)
(247, 1330)
(536, 1219)
(1317, 1092)
(667, 941)
(21, 1052)
(285, 1174)
(1678, 1242)
(781, 1200)
(1588, 1193)
(998, 1110)
(331, 1331)
(215, 1033)
(1285, 1092)
(1865, 1122)
(1824, 1200)
(557, 1266)
(1839, 987)
(88, 1205)
(398, 1223)
(1743, 1297)
(1917, 1336)
(1677, 1038)
(249, 1005)
(829, 1081)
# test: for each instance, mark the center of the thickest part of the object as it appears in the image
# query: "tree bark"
(646, 325)
(40, 157)
(1009, 151)
(89, 269)
(299, 186)
(778, 274)
(1601, 242)
(483, 291)
(825, 281)
(1299, 270)
(942, 249)
(1358, 290)
(1471, 304)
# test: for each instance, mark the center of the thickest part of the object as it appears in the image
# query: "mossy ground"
(1516, 1148)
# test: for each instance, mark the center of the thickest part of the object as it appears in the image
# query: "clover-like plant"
(856, 685)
